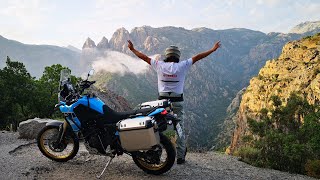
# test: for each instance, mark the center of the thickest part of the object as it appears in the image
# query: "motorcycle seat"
(112, 116)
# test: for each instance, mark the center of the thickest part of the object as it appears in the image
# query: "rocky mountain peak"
(103, 44)
(119, 40)
(89, 44)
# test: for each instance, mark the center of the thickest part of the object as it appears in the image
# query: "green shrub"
(170, 134)
(287, 140)
(249, 155)
(248, 139)
(307, 37)
(313, 168)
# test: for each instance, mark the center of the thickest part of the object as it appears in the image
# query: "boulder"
(29, 129)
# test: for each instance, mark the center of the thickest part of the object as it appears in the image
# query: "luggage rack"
(163, 103)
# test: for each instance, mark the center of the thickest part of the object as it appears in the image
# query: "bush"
(307, 37)
(249, 155)
(171, 134)
(288, 140)
(313, 168)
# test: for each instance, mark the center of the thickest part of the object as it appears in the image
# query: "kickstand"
(105, 167)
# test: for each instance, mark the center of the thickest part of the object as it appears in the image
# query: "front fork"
(62, 132)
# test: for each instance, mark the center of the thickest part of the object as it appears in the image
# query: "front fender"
(55, 123)
(64, 128)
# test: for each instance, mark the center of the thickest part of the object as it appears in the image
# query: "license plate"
(179, 130)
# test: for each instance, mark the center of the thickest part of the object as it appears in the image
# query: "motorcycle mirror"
(91, 72)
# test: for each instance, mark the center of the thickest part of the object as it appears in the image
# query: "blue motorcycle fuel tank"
(94, 103)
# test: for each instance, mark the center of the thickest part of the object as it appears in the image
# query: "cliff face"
(297, 69)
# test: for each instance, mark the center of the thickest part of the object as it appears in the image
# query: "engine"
(98, 139)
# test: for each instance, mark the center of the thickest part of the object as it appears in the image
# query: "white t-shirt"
(171, 75)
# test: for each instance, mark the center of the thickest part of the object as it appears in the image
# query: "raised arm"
(138, 54)
(206, 53)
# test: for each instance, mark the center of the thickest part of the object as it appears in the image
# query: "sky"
(70, 22)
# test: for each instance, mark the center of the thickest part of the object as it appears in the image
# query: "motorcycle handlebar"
(85, 85)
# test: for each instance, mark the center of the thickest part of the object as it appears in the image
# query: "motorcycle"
(138, 133)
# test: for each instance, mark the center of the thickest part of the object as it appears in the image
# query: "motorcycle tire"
(52, 152)
(153, 168)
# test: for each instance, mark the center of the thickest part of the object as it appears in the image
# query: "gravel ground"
(21, 159)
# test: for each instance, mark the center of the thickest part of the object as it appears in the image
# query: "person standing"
(171, 77)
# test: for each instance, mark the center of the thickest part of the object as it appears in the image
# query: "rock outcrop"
(29, 129)
(296, 70)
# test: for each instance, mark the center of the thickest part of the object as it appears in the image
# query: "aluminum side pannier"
(138, 133)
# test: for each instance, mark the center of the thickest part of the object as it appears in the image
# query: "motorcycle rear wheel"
(62, 152)
(162, 166)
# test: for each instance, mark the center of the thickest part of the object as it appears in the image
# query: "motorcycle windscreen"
(64, 79)
(65, 75)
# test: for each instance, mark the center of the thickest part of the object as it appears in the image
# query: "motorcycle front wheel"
(49, 145)
(157, 161)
